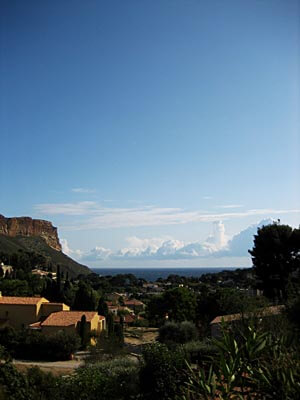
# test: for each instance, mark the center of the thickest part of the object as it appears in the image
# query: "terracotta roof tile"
(127, 319)
(67, 318)
(133, 302)
(21, 300)
(35, 325)
(273, 310)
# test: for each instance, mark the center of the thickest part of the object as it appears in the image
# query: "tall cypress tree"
(83, 332)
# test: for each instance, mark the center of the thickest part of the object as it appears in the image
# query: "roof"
(67, 318)
(126, 318)
(21, 300)
(35, 325)
(133, 302)
(264, 312)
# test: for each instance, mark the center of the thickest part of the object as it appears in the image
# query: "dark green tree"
(102, 307)
(275, 256)
(181, 304)
(83, 332)
(110, 324)
(86, 298)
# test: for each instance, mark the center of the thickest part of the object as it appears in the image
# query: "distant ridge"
(27, 226)
(39, 236)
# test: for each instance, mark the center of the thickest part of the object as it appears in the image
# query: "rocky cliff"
(26, 226)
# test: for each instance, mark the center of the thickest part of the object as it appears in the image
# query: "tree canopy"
(275, 256)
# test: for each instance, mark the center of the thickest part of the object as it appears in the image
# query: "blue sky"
(150, 120)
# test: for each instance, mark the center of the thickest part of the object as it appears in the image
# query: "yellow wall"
(95, 324)
(51, 330)
(48, 308)
(19, 315)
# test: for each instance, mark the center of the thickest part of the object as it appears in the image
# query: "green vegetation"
(255, 357)
(250, 364)
(23, 251)
(276, 259)
(172, 333)
(33, 345)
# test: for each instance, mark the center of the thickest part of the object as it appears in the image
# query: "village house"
(42, 273)
(20, 312)
(267, 312)
(115, 297)
(135, 305)
(68, 321)
(40, 314)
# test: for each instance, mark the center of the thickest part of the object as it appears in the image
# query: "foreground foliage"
(33, 345)
(252, 365)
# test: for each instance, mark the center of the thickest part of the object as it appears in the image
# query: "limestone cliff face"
(26, 226)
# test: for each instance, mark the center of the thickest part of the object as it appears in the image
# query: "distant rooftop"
(264, 312)
(21, 300)
(67, 318)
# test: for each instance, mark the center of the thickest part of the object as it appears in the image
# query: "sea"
(153, 273)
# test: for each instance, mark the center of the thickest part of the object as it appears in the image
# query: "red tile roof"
(127, 319)
(67, 318)
(35, 325)
(21, 300)
(133, 302)
(267, 311)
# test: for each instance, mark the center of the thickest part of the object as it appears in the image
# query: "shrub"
(34, 345)
(177, 333)
(162, 371)
(253, 365)
(117, 379)
(199, 352)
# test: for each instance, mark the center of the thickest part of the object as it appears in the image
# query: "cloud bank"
(166, 248)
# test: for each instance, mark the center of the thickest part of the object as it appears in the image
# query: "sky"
(151, 132)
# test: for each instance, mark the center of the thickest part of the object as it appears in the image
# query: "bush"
(177, 333)
(162, 371)
(117, 379)
(33, 345)
(62, 345)
(199, 352)
(253, 365)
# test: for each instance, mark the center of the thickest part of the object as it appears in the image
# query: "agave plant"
(251, 365)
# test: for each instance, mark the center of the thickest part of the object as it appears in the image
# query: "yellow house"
(20, 312)
(39, 313)
(69, 321)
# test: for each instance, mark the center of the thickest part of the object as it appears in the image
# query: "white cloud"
(79, 208)
(95, 216)
(96, 254)
(239, 245)
(68, 251)
(83, 190)
(229, 206)
(166, 248)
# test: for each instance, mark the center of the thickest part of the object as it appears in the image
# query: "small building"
(20, 312)
(135, 305)
(69, 321)
(128, 319)
(114, 297)
(266, 312)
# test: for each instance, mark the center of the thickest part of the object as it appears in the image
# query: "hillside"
(38, 245)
